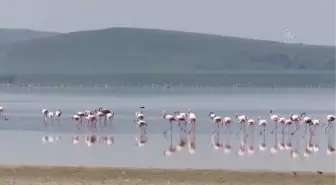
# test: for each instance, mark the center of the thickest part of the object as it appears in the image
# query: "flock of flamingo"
(287, 126)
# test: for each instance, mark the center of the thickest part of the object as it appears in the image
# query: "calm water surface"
(21, 135)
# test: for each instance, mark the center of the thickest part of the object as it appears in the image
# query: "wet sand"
(97, 175)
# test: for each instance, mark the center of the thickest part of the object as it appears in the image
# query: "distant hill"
(10, 36)
(132, 50)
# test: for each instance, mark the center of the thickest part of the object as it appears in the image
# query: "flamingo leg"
(275, 127)
(327, 127)
(305, 132)
(240, 129)
(170, 129)
(297, 128)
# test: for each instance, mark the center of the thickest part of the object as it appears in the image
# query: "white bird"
(218, 121)
(331, 119)
(192, 118)
(110, 116)
(45, 114)
(51, 117)
(262, 123)
(2, 110)
(58, 114)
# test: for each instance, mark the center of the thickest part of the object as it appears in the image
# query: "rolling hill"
(148, 56)
(10, 36)
(133, 50)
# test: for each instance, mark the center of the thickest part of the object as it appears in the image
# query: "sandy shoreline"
(104, 175)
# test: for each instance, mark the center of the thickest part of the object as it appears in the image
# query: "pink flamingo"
(192, 120)
(142, 124)
(251, 123)
(182, 123)
(242, 120)
(276, 121)
(262, 123)
(227, 121)
(76, 118)
(171, 149)
(218, 121)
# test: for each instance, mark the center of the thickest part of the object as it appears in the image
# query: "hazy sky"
(313, 21)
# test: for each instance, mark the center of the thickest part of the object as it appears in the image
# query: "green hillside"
(121, 50)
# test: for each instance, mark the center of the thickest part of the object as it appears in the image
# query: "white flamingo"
(288, 124)
(2, 110)
(170, 118)
(142, 140)
(58, 115)
(262, 123)
(142, 124)
(215, 140)
(110, 117)
(281, 144)
(296, 119)
(316, 123)
(251, 123)
(51, 117)
(242, 120)
(192, 120)
(182, 123)
(81, 115)
(277, 120)
(45, 116)
(76, 118)
(331, 119)
(227, 121)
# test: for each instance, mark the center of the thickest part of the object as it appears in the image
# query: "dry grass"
(26, 175)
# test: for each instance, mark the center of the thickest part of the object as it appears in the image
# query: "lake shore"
(103, 175)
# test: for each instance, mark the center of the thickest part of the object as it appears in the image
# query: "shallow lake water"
(20, 136)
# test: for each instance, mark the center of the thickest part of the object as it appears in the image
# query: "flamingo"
(45, 114)
(218, 122)
(2, 110)
(296, 119)
(316, 123)
(251, 123)
(227, 121)
(140, 115)
(331, 119)
(92, 120)
(142, 124)
(51, 117)
(192, 120)
(81, 115)
(58, 115)
(76, 118)
(280, 145)
(242, 120)
(276, 119)
(110, 117)
(262, 123)
(100, 115)
(105, 113)
(171, 149)
(288, 124)
(182, 123)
